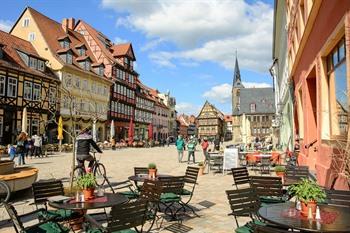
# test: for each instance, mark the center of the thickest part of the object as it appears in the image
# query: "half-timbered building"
(25, 82)
(210, 122)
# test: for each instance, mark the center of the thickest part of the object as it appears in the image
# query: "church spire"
(237, 82)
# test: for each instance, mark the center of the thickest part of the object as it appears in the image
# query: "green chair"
(269, 189)
(122, 218)
(244, 203)
(41, 227)
(126, 188)
(44, 189)
(190, 182)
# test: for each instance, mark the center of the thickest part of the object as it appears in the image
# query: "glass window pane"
(335, 58)
(341, 51)
(342, 106)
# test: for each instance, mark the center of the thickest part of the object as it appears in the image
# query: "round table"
(143, 177)
(333, 218)
(108, 200)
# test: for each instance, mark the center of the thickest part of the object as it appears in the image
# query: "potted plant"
(308, 192)
(152, 170)
(280, 171)
(87, 183)
(201, 168)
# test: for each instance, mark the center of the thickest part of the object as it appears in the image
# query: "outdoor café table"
(108, 200)
(333, 218)
(143, 177)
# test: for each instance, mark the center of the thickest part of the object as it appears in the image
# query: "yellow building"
(210, 122)
(84, 88)
(25, 82)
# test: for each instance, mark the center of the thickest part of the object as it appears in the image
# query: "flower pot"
(280, 174)
(305, 208)
(152, 173)
(88, 193)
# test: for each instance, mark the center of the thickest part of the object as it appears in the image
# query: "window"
(82, 51)
(1, 125)
(31, 36)
(41, 65)
(25, 22)
(65, 43)
(2, 85)
(336, 64)
(52, 95)
(27, 90)
(35, 126)
(33, 62)
(85, 64)
(12, 87)
(69, 58)
(252, 107)
(36, 92)
(100, 70)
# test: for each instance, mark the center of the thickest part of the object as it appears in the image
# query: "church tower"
(236, 86)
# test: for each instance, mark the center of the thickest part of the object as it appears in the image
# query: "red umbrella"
(131, 132)
(150, 131)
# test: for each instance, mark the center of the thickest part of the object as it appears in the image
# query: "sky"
(187, 47)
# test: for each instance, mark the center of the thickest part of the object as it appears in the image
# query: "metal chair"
(172, 188)
(190, 180)
(151, 192)
(264, 165)
(269, 189)
(294, 174)
(126, 188)
(240, 176)
(244, 203)
(338, 198)
(43, 226)
(216, 163)
(42, 190)
(122, 217)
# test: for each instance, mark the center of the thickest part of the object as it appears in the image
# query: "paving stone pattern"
(209, 198)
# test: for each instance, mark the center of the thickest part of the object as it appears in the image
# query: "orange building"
(319, 65)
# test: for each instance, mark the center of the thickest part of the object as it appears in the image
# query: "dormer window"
(64, 42)
(36, 63)
(67, 57)
(252, 108)
(85, 64)
(81, 49)
(100, 70)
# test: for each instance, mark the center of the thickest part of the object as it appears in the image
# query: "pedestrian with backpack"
(21, 147)
(191, 148)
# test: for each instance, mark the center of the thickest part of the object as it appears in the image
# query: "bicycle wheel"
(77, 172)
(99, 171)
(4, 192)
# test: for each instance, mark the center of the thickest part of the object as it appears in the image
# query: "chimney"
(68, 24)
(71, 23)
(65, 24)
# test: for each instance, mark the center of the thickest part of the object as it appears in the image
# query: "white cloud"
(150, 45)
(204, 30)
(5, 25)
(220, 93)
(187, 108)
(256, 85)
(118, 40)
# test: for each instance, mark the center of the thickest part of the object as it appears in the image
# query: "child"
(11, 151)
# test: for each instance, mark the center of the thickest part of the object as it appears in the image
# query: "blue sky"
(186, 47)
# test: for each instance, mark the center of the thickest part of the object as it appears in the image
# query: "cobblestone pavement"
(209, 197)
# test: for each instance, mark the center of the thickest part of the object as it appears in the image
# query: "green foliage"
(307, 190)
(152, 166)
(86, 181)
(280, 169)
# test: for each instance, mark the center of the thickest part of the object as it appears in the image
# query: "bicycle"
(4, 192)
(98, 169)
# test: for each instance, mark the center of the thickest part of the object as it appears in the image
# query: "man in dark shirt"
(84, 141)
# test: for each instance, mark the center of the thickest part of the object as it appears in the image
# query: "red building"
(319, 65)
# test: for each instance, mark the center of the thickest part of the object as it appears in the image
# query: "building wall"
(39, 43)
(325, 25)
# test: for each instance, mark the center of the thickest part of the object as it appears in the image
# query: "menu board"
(230, 158)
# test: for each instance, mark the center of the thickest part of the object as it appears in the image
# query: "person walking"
(11, 151)
(205, 146)
(37, 146)
(191, 148)
(84, 142)
(180, 144)
(21, 147)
